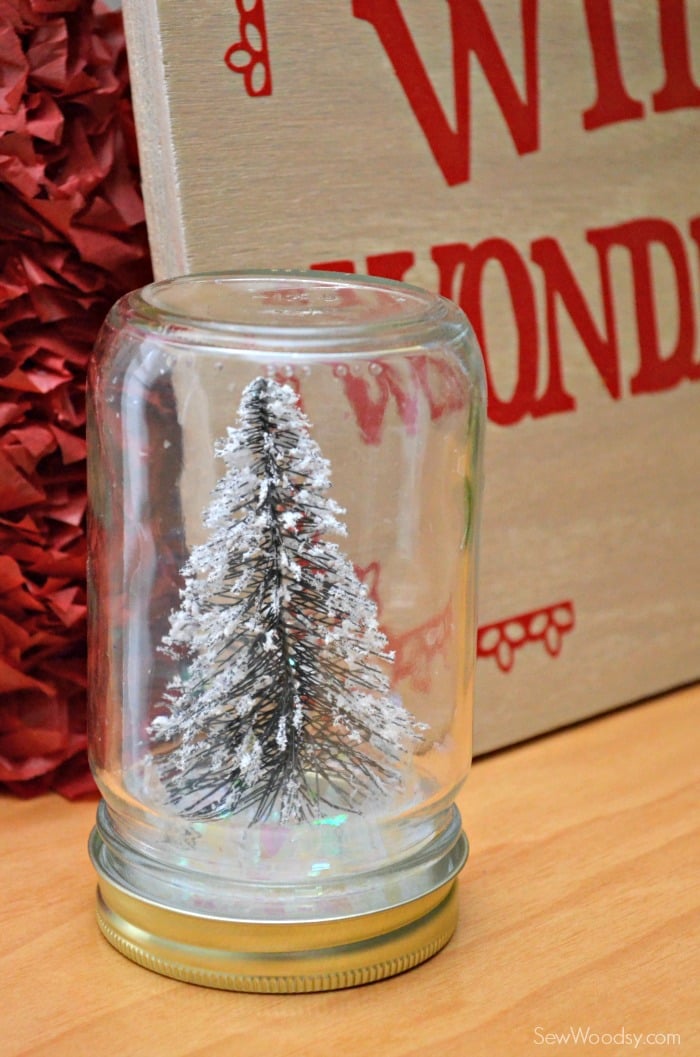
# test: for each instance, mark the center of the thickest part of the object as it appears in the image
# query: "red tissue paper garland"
(72, 240)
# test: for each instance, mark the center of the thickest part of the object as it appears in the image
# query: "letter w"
(471, 32)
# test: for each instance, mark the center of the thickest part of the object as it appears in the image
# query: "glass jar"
(284, 479)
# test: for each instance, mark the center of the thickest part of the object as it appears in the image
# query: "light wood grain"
(579, 906)
(598, 506)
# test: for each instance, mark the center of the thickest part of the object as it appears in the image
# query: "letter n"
(560, 284)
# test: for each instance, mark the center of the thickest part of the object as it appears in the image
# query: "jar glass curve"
(384, 384)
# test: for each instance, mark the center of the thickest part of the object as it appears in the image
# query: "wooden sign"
(539, 163)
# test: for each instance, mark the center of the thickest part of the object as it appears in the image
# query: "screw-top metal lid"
(277, 958)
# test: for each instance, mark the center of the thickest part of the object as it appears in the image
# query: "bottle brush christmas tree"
(283, 708)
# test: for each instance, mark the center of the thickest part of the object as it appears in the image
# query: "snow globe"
(284, 480)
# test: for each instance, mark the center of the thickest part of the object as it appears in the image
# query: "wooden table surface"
(579, 911)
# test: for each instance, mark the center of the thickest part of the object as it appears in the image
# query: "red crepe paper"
(72, 240)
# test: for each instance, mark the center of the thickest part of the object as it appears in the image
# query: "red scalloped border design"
(249, 56)
(502, 640)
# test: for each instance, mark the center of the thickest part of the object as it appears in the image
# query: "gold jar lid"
(277, 957)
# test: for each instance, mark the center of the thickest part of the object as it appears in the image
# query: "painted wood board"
(538, 162)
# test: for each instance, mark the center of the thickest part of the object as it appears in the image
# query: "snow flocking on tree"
(283, 708)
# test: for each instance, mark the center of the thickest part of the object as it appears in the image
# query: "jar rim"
(286, 306)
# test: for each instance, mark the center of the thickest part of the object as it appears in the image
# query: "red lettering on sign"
(540, 385)
(657, 372)
(473, 261)
(471, 32)
(613, 102)
(428, 379)
(344, 267)
(369, 400)
(391, 265)
(560, 285)
(695, 231)
(441, 383)
(387, 265)
(679, 89)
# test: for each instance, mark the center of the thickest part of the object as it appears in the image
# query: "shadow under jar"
(284, 479)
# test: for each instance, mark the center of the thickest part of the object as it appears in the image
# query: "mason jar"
(284, 480)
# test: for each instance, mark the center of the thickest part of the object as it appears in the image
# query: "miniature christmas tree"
(283, 708)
